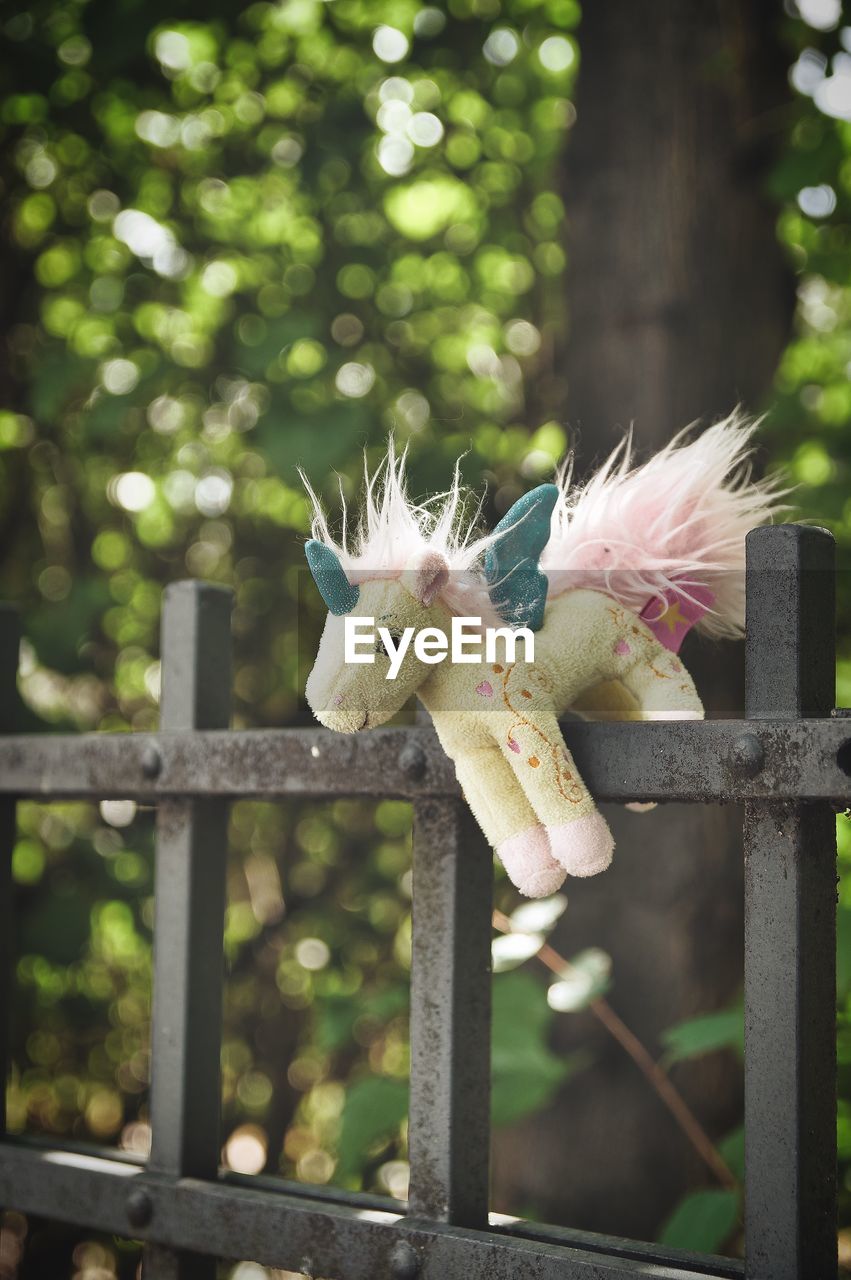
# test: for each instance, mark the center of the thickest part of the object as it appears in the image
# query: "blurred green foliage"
(249, 242)
(241, 240)
(702, 1221)
(238, 240)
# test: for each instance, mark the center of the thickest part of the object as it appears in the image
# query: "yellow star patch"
(673, 618)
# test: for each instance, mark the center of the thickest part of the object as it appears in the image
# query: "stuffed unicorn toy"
(609, 577)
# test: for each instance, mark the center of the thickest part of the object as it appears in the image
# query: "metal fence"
(789, 761)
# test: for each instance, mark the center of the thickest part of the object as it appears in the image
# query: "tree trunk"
(680, 306)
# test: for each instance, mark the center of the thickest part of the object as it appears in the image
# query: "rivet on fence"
(404, 1262)
(139, 1208)
(843, 759)
(412, 762)
(152, 761)
(747, 756)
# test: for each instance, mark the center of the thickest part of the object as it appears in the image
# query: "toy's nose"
(338, 699)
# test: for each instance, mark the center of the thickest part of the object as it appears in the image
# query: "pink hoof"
(584, 847)
(529, 863)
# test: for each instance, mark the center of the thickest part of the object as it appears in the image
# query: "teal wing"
(518, 589)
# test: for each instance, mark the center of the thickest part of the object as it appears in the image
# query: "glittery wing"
(518, 589)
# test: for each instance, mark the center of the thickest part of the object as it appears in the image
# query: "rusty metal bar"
(678, 760)
(449, 1116)
(786, 759)
(790, 925)
(189, 913)
(321, 1236)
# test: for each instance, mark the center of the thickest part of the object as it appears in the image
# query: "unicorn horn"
(329, 576)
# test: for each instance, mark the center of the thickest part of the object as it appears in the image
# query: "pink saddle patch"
(513, 745)
(672, 622)
(485, 689)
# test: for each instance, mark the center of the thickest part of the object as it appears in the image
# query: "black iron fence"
(789, 761)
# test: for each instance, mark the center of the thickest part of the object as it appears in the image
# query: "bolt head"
(152, 761)
(412, 762)
(747, 756)
(139, 1208)
(404, 1262)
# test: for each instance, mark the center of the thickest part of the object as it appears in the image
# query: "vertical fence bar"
(10, 639)
(790, 926)
(449, 1115)
(189, 914)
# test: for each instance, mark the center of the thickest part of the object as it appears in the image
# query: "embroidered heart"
(622, 647)
(513, 745)
(485, 689)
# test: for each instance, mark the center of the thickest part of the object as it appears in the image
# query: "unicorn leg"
(536, 752)
(508, 821)
(659, 688)
(662, 686)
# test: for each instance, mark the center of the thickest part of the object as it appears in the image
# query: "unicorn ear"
(425, 575)
(334, 587)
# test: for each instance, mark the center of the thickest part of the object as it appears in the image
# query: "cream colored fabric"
(498, 721)
(587, 641)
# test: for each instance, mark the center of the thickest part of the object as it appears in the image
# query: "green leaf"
(334, 1020)
(706, 1034)
(732, 1148)
(843, 951)
(57, 629)
(526, 1074)
(335, 1015)
(702, 1222)
(519, 1007)
(374, 1109)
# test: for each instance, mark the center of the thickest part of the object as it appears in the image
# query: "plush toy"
(608, 577)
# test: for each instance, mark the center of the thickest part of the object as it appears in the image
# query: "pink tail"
(666, 539)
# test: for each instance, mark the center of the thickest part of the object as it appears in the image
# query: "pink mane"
(672, 528)
(393, 529)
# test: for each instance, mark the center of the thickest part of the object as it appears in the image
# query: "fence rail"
(704, 761)
(789, 760)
